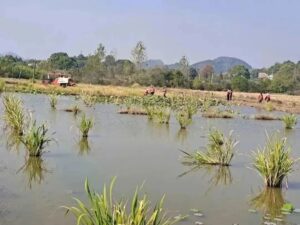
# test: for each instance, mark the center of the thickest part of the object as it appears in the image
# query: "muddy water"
(136, 151)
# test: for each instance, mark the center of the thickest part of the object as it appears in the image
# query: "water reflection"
(35, 170)
(218, 175)
(158, 129)
(182, 135)
(269, 202)
(84, 147)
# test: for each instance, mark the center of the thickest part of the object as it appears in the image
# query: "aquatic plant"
(85, 125)
(217, 113)
(53, 101)
(269, 106)
(290, 121)
(162, 115)
(274, 161)
(220, 150)
(183, 119)
(88, 98)
(14, 114)
(2, 85)
(103, 210)
(35, 139)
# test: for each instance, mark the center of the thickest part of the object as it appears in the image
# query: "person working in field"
(229, 95)
(268, 97)
(150, 90)
(260, 97)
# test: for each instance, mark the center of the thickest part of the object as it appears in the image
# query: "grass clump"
(183, 119)
(162, 115)
(216, 113)
(88, 99)
(220, 150)
(14, 114)
(85, 125)
(35, 139)
(2, 85)
(53, 101)
(274, 162)
(290, 121)
(104, 210)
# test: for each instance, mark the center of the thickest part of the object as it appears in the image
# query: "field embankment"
(281, 102)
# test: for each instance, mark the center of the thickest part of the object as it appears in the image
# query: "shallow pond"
(138, 151)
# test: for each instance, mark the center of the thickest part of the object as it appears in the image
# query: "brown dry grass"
(281, 102)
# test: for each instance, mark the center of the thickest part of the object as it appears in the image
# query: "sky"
(261, 32)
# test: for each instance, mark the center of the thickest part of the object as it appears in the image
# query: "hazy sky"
(260, 32)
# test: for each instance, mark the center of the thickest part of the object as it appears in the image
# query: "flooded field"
(138, 151)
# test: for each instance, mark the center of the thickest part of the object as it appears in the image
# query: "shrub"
(290, 121)
(274, 162)
(103, 210)
(220, 150)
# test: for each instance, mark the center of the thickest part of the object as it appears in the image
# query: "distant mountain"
(153, 63)
(221, 64)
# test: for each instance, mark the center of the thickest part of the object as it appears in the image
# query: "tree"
(239, 70)
(100, 52)
(139, 54)
(184, 66)
(240, 83)
(61, 61)
(207, 72)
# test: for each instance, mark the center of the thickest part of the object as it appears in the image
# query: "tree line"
(102, 68)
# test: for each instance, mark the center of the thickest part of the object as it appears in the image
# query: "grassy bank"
(281, 102)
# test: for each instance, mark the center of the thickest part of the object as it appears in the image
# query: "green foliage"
(239, 70)
(14, 114)
(88, 99)
(288, 207)
(53, 100)
(240, 83)
(290, 121)
(35, 139)
(2, 85)
(274, 162)
(61, 61)
(85, 125)
(104, 210)
(220, 150)
(183, 119)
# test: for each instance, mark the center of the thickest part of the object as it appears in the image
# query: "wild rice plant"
(274, 161)
(88, 99)
(35, 139)
(220, 150)
(162, 115)
(290, 121)
(183, 119)
(2, 85)
(53, 101)
(14, 115)
(85, 125)
(104, 210)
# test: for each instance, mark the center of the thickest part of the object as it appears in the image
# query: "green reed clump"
(88, 99)
(2, 85)
(14, 115)
(35, 139)
(220, 150)
(162, 115)
(290, 121)
(53, 100)
(104, 210)
(85, 125)
(274, 161)
(183, 119)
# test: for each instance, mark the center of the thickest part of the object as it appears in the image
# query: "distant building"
(264, 76)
